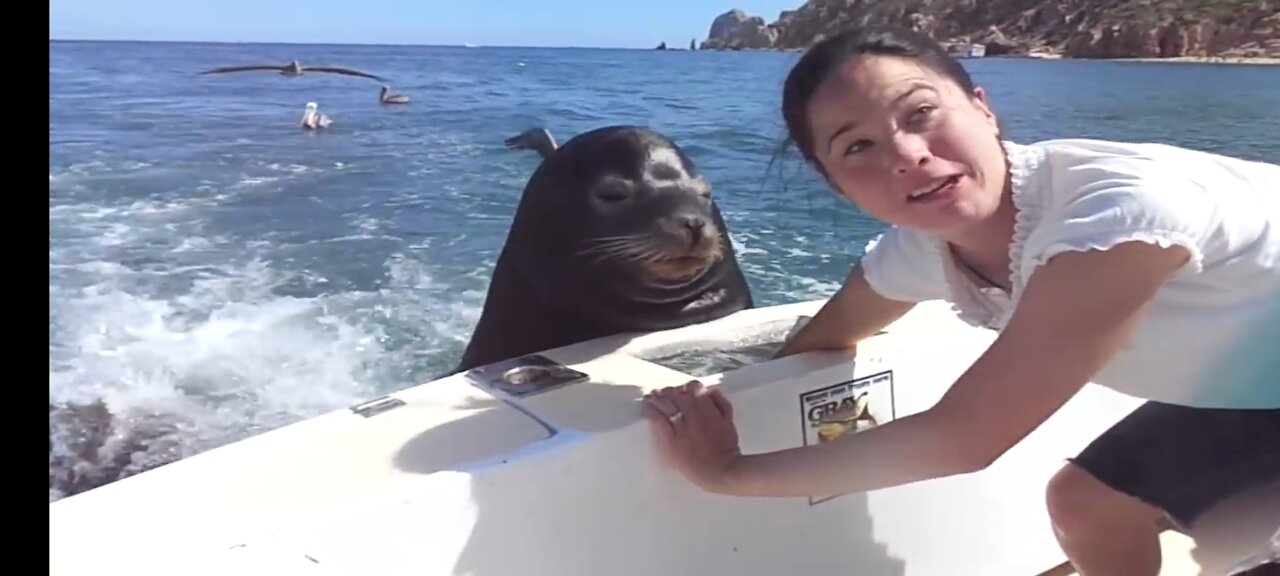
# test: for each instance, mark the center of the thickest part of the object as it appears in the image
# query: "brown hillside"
(1072, 28)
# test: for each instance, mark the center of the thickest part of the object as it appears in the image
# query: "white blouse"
(1211, 338)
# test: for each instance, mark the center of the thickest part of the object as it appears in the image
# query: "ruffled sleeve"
(904, 265)
(1098, 202)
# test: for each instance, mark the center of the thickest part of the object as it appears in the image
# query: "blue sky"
(602, 23)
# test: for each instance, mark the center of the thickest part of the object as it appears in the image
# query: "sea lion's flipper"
(538, 139)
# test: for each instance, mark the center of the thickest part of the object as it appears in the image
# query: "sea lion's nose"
(697, 226)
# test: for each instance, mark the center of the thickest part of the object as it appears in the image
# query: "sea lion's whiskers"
(614, 238)
(653, 255)
(624, 253)
(614, 246)
(642, 252)
(645, 256)
(611, 248)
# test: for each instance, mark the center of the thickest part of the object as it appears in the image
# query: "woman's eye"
(856, 146)
(923, 112)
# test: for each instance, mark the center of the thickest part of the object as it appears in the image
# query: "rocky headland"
(1174, 30)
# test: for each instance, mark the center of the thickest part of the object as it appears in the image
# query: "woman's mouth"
(935, 190)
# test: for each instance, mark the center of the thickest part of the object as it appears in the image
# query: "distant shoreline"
(1258, 60)
(1255, 60)
(1210, 60)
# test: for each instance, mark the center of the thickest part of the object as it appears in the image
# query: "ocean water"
(215, 272)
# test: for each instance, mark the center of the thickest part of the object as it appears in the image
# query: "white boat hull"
(463, 480)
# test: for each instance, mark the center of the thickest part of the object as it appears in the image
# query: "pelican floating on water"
(312, 119)
(293, 68)
(386, 97)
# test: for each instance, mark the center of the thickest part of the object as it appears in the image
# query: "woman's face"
(907, 145)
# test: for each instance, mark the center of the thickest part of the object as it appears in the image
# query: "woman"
(1151, 269)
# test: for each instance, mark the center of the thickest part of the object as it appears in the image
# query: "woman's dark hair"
(827, 55)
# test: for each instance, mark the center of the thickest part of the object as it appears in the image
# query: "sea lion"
(615, 232)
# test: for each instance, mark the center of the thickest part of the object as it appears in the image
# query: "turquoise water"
(214, 265)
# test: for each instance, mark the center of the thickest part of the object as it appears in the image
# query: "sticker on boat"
(849, 407)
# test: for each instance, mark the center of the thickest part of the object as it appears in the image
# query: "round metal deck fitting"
(525, 375)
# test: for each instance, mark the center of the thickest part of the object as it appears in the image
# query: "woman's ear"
(980, 101)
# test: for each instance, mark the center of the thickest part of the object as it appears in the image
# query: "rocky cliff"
(1071, 28)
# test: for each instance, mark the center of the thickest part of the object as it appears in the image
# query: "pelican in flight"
(386, 97)
(312, 119)
(536, 139)
(293, 68)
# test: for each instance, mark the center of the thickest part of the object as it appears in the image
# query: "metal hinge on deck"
(377, 406)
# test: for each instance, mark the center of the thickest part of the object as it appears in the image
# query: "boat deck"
(449, 478)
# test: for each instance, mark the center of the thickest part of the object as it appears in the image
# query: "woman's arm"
(1077, 311)
(854, 313)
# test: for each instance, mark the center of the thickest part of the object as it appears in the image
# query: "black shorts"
(1185, 460)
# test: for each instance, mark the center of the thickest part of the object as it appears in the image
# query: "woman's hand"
(693, 427)
(854, 313)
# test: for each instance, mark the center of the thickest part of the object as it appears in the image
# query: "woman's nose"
(909, 151)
